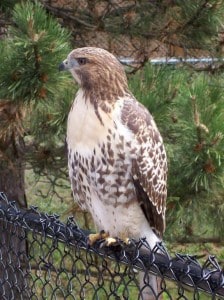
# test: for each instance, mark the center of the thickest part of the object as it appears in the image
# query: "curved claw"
(94, 237)
(106, 240)
(110, 241)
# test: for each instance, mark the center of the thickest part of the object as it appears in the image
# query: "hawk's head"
(96, 69)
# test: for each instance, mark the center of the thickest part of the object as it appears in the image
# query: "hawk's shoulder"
(139, 120)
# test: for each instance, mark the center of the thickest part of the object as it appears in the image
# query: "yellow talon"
(107, 239)
(94, 237)
(127, 241)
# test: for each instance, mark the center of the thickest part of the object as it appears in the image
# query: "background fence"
(54, 261)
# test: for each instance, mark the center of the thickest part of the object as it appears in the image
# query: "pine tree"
(32, 92)
(32, 100)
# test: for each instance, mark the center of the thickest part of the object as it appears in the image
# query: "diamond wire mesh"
(42, 258)
(126, 27)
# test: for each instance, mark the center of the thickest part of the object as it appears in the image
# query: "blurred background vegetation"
(186, 100)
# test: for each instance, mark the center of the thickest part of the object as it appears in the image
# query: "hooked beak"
(62, 66)
(68, 64)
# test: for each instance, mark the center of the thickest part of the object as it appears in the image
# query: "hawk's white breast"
(100, 168)
(84, 130)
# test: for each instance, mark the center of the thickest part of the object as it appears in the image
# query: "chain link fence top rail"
(43, 258)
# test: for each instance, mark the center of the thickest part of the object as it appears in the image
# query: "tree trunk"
(13, 245)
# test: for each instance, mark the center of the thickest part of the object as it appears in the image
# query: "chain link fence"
(128, 28)
(140, 30)
(43, 258)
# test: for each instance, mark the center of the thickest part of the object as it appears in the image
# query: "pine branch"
(200, 127)
(196, 16)
(37, 58)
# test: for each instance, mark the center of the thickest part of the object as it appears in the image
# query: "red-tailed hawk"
(116, 157)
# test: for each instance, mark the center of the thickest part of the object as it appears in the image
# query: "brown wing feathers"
(155, 220)
(149, 165)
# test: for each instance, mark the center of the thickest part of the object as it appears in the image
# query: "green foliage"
(201, 21)
(31, 83)
(202, 159)
(35, 46)
(190, 24)
(189, 110)
(6, 6)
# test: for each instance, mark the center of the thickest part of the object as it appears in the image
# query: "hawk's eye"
(82, 60)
